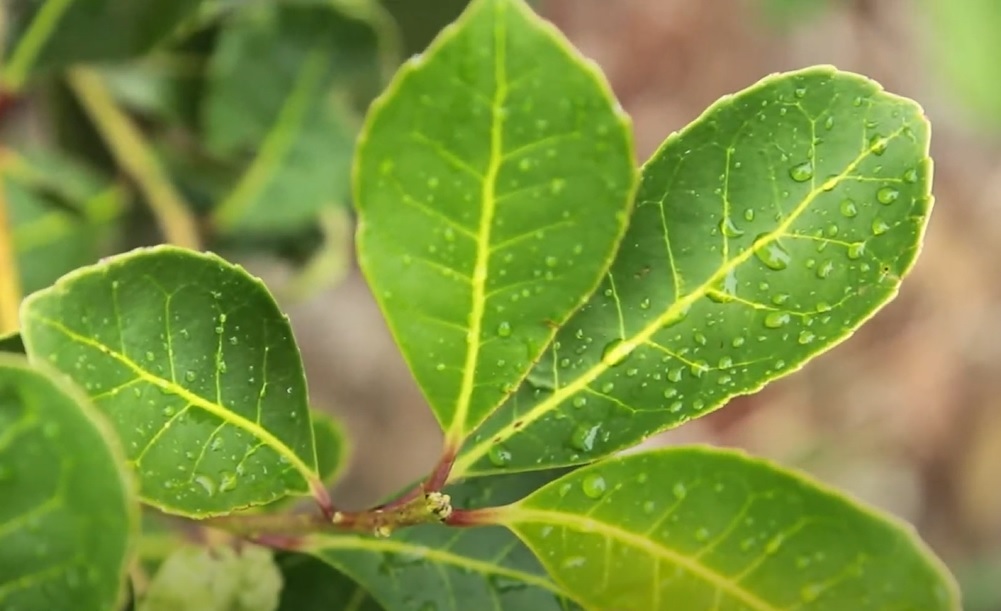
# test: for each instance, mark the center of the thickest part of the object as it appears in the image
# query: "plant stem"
(439, 477)
(136, 158)
(430, 508)
(10, 282)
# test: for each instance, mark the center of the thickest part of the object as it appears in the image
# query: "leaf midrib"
(217, 410)
(676, 310)
(318, 543)
(457, 430)
(515, 514)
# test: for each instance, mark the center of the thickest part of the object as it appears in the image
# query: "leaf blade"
(168, 404)
(737, 532)
(60, 466)
(683, 323)
(469, 319)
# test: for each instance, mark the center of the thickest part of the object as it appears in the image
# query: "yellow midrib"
(514, 514)
(458, 429)
(397, 546)
(308, 474)
(624, 348)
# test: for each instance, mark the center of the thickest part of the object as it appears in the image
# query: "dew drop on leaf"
(805, 337)
(579, 401)
(771, 253)
(877, 144)
(583, 437)
(911, 176)
(499, 456)
(801, 172)
(594, 486)
(879, 226)
(612, 355)
(679, 491)
(887, 195)
(207, 483)
(504, 329)
(728, 229)
(775, 320)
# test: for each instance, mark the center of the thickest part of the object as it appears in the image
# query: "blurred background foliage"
(229, 125)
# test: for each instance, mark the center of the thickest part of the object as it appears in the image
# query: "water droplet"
(749, 215)
(738, 341)
(227, 482)
(679, 491)
(879, 226)
(877, 144)
(856, 250)
(579, 401)
(207, 483)
(150, 356)
(504, 329)
(829, 122)
(676, 407)
(583, 437)
(499, 456)
(725, 362)
(698, 368)
(190, 376)
(670, 392)
(613, 354)
(594, 486)
(824, 269)
(728, 229)
(702, 534)
(800, 92)
(649, 507)
(219, 330)
(887, 195)
(771, 253)
(551, 261)
(911, 176)
(439, 367)
(574, 562)
(848, 208)
(801, 172)
(233, 341)
(775, 320)
(805, 337)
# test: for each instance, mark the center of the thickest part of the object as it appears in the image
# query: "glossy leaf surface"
(68, 513)
(296, 132)
(451, 569)
(478, 240)
(309, 584)
(764, 233)
(191, 360)
(698, 528)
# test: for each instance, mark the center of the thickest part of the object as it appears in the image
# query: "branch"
(135, 157)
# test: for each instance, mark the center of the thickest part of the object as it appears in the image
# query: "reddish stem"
(439, 477)
(323, 500)
(465, 518)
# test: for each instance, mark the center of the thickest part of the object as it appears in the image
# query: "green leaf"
(312, 585)
(965, 46)
(448, 569)
(53, 34)
(492, 181)
(63, 215)
(11, 343)
(68, 514)
(218, 579)
(764, 233)
(700, 528)
(297, 129)
(332, 446)
(195, 366)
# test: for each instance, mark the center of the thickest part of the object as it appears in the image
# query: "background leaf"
(312, 585)
(470, 268)
(764, 233)
(64, 216)
(11, 343)
(195, 366)
(699, 528)
(53, 34)
(448, 568)
(296, 134)
(332, 446)
(68, 513)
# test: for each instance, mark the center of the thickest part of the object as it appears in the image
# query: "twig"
(133, 154)
(10, 280)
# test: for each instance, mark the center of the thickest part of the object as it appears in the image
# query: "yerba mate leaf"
(700, 528)
(764, 233)
(448, 569)
(54, 34)
(296, 134)
(196, 368)
(69, 514)
(313, 585)
(492, 180)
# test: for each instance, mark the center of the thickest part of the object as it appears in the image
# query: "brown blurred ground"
(906, 415)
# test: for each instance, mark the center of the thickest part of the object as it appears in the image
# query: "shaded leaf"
(700, 528)
(54, 34)
(297, 130)
(11, 343)
(312, 585)
(764, 233)
(63, 215)
(332, 447)
(195, 366)
(68, 513)
(476, 241)
(449, 569)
